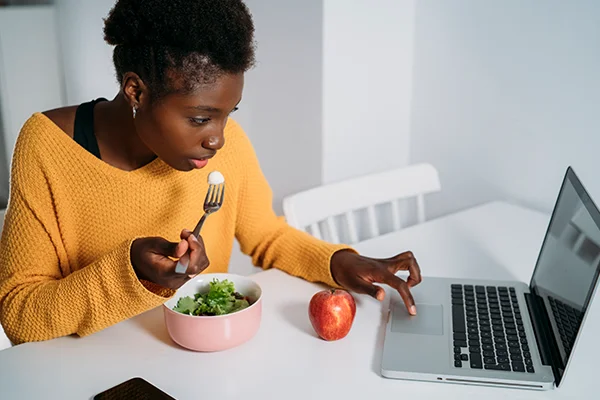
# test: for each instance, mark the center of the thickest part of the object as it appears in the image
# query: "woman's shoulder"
(63, 117)
(42, 135)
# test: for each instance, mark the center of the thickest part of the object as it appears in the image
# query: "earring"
(134, 111)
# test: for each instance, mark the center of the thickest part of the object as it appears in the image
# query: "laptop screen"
(569, 262)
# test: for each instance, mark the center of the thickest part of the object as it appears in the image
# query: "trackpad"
(428, 321)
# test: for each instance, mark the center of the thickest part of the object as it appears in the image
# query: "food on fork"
(215, 178)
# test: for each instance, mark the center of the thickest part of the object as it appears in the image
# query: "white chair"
(4, 342)
(332, 211)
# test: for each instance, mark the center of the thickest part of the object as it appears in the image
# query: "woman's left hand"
(359, 273)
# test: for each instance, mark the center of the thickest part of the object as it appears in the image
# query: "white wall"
(30, 74)
(87, 59)
(505, 96)
(367, 85)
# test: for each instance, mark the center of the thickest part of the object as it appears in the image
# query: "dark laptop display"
(566, 273)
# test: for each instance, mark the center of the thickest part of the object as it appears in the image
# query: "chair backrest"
(322, 206)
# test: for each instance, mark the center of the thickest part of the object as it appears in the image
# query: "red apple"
(331, 313)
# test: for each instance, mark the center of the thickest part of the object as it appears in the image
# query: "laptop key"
(518, 367)
(458, 364)
(460, 343)
(489, 360)
(458, 319)
(460, 336)
(474, 349)
(494, 367)
(457, 350)
(464, 357)
(501, 353)
(487, 346)
(530, 369)
(476, 361)
(489, 353)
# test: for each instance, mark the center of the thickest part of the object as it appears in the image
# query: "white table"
(285, 359)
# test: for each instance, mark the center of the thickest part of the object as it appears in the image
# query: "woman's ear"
(134, 89)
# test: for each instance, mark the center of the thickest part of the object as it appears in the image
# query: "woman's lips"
(199, 163)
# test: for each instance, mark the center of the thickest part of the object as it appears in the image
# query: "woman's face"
(186, 130)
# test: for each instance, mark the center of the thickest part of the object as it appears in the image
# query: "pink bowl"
(214, 333)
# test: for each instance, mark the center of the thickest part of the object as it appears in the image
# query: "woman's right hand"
(151, 259)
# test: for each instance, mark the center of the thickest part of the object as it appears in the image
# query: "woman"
(100, 192)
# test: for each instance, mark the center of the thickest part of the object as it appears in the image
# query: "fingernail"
(413, 310)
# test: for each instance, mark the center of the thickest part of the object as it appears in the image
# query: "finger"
(402, 287)
(398, 257)
(198, 259)
(407, 261)
(185, 234)
(169, 249)
(365, 287)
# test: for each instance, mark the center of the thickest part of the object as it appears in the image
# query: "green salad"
(220, 299)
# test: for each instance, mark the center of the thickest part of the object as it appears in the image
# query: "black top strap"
(83, 131)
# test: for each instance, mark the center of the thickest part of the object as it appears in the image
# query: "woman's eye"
(199, 121)
(234, 110)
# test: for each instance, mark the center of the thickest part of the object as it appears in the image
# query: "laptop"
(504, 333)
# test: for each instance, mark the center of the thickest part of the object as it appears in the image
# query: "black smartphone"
(134, 389)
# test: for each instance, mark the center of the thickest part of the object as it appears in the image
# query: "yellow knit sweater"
(64, 254)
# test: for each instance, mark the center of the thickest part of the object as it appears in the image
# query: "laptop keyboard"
(488, 331)
(567, 320)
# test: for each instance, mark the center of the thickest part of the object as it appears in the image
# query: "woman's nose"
(214, 141)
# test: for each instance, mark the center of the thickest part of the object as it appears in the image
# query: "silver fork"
(212, 203)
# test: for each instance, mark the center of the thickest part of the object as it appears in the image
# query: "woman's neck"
(119, 143)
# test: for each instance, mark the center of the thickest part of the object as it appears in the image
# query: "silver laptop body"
(504, 333)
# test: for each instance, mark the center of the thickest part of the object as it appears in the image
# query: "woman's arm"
(39, 298)
(267, 238)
